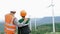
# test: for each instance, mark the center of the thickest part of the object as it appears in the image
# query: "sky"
(34, 8)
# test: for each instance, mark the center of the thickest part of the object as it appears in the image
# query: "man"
(11, 22)
(10, 27)
(24, 29)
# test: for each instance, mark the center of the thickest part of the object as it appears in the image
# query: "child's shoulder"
(21, 19)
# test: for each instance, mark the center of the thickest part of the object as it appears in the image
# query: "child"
(25, 28)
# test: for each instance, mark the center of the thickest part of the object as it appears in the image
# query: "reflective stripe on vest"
(10, 29)
(10, 26)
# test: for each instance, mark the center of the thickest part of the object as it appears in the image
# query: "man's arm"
(18, 24)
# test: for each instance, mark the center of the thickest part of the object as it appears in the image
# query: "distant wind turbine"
(30, 22)
(35, 25)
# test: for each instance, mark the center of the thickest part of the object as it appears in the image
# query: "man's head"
(13, 12)
(23, 13)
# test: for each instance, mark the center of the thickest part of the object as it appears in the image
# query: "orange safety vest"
(10, 27)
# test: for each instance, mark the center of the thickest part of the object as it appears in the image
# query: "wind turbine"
(30, 22)
(52, 6)
(35, 25)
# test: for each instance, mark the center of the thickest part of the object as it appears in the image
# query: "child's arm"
(17, 23)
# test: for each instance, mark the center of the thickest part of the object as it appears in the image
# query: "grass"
(53, 33)
(36, 32)
(44, 29)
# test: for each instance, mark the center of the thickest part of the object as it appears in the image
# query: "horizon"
(35, 18)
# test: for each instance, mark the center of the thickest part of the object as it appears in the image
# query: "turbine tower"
(52, 6)
(30, 22)
(35, 25)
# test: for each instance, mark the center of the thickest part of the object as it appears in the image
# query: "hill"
(45, 20)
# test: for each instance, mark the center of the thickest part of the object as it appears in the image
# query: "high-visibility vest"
(9, 24)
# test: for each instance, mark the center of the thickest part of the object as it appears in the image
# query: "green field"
(44, 29)
(53, 33)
